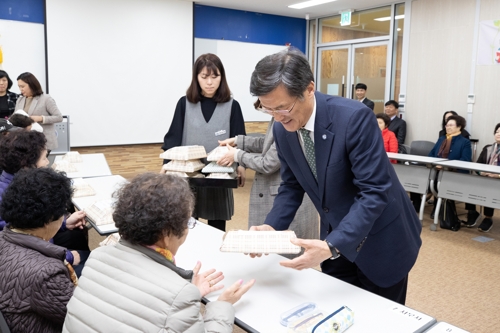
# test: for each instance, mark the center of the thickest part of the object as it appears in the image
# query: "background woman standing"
(8, 99)
(40, 107)
(205, 115)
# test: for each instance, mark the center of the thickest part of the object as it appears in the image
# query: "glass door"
(342, 67)
(333, 71)
(369, 67)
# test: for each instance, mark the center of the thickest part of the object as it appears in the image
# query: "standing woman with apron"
(204, 116)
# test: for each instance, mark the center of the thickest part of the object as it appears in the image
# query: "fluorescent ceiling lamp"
(397, 17)
(309, 3)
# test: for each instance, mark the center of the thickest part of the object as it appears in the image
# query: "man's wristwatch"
(333, 249)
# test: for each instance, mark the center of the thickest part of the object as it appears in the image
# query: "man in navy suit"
(331, 148)
(361, 95)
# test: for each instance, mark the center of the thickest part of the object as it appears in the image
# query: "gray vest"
(198, 132)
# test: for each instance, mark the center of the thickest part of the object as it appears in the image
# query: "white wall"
(118, 67)
(440, 63)
(239, 60)
(23, 50)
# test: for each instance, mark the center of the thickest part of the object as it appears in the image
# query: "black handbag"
(448, 217)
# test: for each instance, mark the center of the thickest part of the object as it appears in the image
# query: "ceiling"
(280, 7)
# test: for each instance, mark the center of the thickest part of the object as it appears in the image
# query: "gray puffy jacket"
(128, 288)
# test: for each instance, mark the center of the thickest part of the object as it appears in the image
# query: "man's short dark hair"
(20, 120)
(393, 103)
(384, 117)
(35, 197)
(288, 67)
(361, 86)
(152, 206)
(496, 128)
(459, 120)
(20, 150)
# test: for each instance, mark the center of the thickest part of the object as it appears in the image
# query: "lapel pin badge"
(324, 136)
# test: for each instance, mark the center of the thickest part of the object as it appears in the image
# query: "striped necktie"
(309, 151)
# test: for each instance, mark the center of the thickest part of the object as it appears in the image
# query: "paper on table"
(246, 241)
(82, 188)
(101, 212)
(73, 157)
(63, 165)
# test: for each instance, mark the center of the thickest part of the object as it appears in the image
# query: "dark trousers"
(487, 210)
(76, 239)
(219, 224)
(344, 270)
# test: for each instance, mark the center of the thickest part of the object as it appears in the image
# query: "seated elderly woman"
(453, 146)
(26, 149)
(36, 282)
(135, 285)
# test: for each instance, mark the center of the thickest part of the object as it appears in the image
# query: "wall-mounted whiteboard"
(23, 50)
(118, 67)
(239, 60)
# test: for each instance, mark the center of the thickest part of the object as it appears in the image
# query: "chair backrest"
(3, 324)
(422, 148)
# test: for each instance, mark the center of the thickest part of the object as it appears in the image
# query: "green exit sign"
(345, 18)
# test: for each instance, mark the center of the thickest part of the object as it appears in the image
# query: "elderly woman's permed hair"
(152, 206)
(36, 197)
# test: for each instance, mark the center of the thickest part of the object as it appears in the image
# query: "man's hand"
(230, 142)
(76, 220)
(316, 251)
(228, 158)
(263, 227)
(241, 176)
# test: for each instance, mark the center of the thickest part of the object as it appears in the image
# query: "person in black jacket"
(361, 95)
(8, 99)
(397, 125)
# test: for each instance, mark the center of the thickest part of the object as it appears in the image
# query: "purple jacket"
(5, 180)
(34, 283)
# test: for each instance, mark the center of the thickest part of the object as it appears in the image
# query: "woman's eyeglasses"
(192, 223)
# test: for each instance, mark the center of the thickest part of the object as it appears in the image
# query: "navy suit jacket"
(357, 195)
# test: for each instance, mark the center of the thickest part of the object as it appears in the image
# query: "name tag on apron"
(221, 132)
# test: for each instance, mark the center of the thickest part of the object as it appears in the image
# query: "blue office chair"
(3, 324)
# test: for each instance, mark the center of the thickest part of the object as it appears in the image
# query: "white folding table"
(93, 165)
(413, 176)
(278, 289)
(466, 187)
(104, 188)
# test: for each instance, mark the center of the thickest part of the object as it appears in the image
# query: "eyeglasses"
(451, 125)
(272, 113)
(192, 223)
